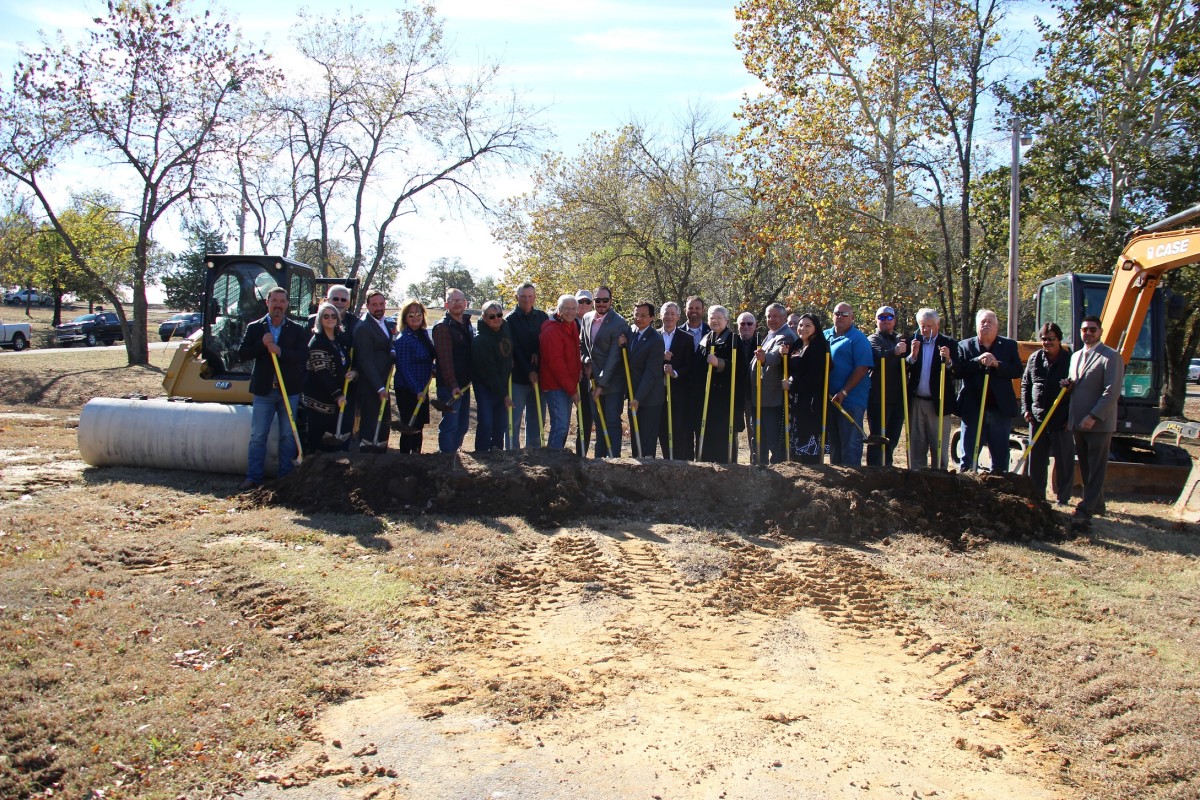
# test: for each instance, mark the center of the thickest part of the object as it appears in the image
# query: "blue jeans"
(558, 404)
(491, 419)
(265, 410)
(846, 441)
(455, 421)
(524, 398)
(996, 427)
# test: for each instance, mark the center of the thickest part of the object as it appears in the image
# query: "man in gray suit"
(601, 331)
(1096, 376)
(769, 359)
(646, 351)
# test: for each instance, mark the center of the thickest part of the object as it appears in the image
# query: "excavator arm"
(1151, 252)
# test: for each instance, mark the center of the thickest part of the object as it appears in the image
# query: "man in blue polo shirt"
(850, 385)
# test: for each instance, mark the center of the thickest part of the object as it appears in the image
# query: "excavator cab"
(235, 294)
(1067, 299)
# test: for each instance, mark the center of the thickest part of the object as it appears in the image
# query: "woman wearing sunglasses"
(324, 378)
(491, 366)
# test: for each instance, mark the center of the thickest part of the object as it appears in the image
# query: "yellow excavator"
(203, 423)
(1133, 312)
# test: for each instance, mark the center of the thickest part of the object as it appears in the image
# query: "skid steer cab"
(207, 368)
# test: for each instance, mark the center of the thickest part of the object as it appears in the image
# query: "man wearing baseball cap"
(888, 350)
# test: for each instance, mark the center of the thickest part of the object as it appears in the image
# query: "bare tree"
(386, 122)
(147, 92)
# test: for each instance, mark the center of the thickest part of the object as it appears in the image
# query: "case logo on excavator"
(1167, 249)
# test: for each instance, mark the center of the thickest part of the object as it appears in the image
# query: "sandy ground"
(639, 659)
(608, 668)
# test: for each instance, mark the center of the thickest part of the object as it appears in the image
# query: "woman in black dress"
(324, 378)
(717, 349)
(806, 397)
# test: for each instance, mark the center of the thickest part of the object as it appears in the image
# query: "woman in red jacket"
(559, 367)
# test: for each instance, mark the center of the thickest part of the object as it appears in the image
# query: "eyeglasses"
(492, 316)
(843, 313)
(339, 299)
(583, 301)
(329, 316)
(746, 324)
(1088, 328)
(886, 317)
(603, 299)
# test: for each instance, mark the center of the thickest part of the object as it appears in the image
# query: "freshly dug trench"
(549, 487)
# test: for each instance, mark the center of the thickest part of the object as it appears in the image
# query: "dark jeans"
(491, 419)
(1061, 445)
(996, 427)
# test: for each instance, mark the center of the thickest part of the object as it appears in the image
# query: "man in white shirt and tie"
(1097, 374)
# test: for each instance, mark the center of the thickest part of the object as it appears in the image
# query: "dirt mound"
(555, 488)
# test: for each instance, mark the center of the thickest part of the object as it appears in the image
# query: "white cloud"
(549, 12)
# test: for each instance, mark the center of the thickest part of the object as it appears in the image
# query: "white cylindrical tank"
(207, 437)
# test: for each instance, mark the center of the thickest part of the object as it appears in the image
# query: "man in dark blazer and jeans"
(996, 357)
(288, 341)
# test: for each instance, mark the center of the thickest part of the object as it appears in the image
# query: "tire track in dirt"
(693, 665)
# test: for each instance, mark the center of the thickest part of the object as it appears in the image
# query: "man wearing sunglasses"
(849, 384)
(452, 339)
(525, 327)
(602, 328)
(1097, 374)
(887, 350)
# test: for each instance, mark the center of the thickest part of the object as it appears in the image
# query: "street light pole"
(1014, 223)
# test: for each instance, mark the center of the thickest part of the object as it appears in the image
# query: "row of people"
(686, 387)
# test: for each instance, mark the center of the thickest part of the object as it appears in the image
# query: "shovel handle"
(287, 405)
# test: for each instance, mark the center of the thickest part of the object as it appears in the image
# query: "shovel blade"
(372, 447)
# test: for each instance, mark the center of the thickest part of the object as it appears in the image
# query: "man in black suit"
(931, 391)
(286, 340)
(695, 327)
(373, 358)
(987, 354)
(645, 349)
(679, 351)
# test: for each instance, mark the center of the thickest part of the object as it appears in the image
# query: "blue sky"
(592, 64)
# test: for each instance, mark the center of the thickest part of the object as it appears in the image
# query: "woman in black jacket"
(807, 362)
(716, 348)
(324, 378)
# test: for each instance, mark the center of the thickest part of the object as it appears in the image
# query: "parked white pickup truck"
(14, 335)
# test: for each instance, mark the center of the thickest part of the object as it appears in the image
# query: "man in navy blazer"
(677, 438)
(646, 350)
(697, 328)
(996, 357)
(931, 394)
(602, 363)
(287, 340)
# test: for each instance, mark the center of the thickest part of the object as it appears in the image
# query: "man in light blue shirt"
(850, 384)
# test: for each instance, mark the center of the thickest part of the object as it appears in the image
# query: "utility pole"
(1014, 222)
